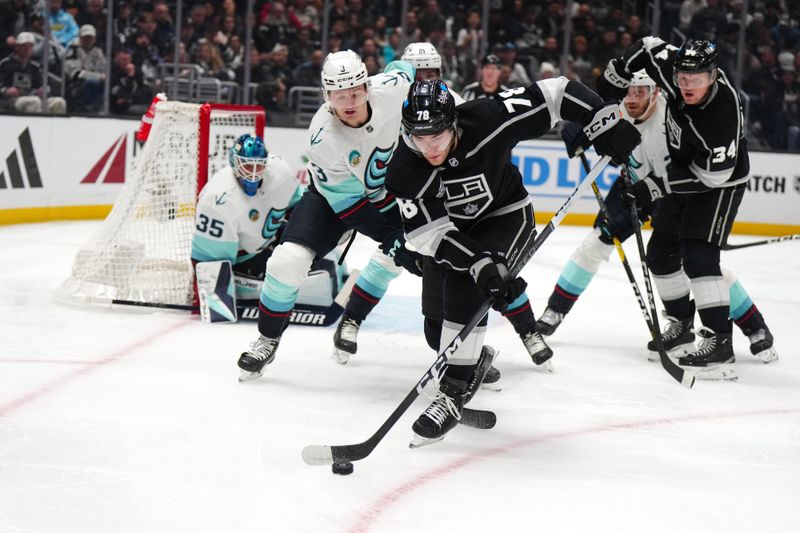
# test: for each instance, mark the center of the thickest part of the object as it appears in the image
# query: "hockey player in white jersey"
(239, 216)
(351, 140)
(644, 106)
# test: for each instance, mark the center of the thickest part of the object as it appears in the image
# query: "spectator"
(198, 14)
(145, 55)
(309, 74)
(551, 21)
(306, 14)
(546, 71)
(431, 18)
(229, 10)
(608, 48)
(517, 75)
(582, 60)
(302, 47)
(55, 50)
(370, 49)
(688, 9)
(451, 67)
(129, 94)
(226, 30)
(634, 27)
(550, 52)
(85, 72)
(208, 58)
(233, 55)
(791, 107)
(708, 23)
(15, 17)
(276, 26)
(123, 24)
(784, 34)
(94, 15)
(278, 69)
(489, 82)
(21, 80)
(164, 33)
(469, 38)
(62, 25)
(412, 32)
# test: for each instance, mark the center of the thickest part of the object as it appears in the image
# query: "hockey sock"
(520, 314)
(461, 372)
(711, 293)
(743, 311)
(370, 287)
(673, 286)
(275, 306)
(579, 271)
(750, 321)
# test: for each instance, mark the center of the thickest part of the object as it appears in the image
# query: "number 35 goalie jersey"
(478, 179)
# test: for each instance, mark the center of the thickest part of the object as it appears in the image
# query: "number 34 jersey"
(231, 225)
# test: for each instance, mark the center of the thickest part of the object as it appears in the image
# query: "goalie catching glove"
(611, 135)
(493, 281)
(394, 246)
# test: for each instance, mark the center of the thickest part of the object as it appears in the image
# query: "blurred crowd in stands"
(525, 38)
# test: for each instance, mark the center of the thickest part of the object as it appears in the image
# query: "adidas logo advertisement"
(24, 176)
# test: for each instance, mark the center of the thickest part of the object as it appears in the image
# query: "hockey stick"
(681, 376)
(325, 454)
(792, 237)
(620, 249)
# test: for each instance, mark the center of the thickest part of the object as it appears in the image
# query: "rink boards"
(60, 168)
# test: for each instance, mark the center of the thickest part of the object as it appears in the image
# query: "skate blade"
(721, 372)
(675, 353)
(340, 356)
(547, 365)
(767, 356)
(418, 441)
(495, 387)
(245, 376)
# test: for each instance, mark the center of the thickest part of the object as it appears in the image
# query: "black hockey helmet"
(696, 56)
(491, 59)
(429, 108)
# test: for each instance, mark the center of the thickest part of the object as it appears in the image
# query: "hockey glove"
(394, 246)
(614, 82)
(493, 281)
(574, 138)
(642, 192)
(611, 135)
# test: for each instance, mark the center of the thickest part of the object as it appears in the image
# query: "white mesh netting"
(142, 252)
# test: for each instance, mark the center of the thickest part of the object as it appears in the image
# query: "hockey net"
(142, 252)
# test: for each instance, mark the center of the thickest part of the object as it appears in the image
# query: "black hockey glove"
(394, 246)
(493, 281)
(611, 135)
(642, 192)
(574, 138)
(614, 82)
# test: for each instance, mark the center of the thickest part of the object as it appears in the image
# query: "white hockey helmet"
(422, 55)
(641, 79)
(343, 70)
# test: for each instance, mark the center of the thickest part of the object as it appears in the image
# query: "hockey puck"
(343, 468)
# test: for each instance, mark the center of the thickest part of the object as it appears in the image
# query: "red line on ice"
(374, 512)
(88, 366)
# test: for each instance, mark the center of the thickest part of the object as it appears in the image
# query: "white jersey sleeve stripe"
(506, 124)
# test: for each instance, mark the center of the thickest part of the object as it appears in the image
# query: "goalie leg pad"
(216, 291)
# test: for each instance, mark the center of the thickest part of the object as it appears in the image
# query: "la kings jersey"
(478, 180)
(232, 225)
(706, 142)
(348, 165)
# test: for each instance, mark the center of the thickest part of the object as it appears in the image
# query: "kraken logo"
(375, 173)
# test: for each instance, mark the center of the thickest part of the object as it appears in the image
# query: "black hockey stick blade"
(324, 454)
(478, 418)
(679, 374)
(793, 237)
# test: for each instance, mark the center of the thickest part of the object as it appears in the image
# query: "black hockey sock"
(361, 303)
(460, 372)
(521, 318)
(751, 321)
(716, 319)
(680, 309)
(561, 301)
(272, 323)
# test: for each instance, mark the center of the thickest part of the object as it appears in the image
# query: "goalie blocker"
(320, 302)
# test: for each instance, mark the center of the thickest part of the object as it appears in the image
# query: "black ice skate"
(548, 323)
(261, 353)
(540, 352)
(761, 345)
(714, 357)
(442, 415)
(677, 338)
(345, 339)
(485, 375)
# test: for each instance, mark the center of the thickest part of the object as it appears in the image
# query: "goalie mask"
(248, 160)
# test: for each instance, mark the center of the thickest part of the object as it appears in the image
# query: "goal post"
(142, 251)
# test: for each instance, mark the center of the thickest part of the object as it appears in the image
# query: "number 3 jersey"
(478, 180)
(706, 142)
(231, 225)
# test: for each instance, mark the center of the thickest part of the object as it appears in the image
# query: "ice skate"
(345, 339)
(485, 375)
(677, 338)
(540, 352)
(714, 357)
(442, 414)
(261, 353)
(548, 323)
(761, 345)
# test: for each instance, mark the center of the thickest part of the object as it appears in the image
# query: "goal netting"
(142, 251)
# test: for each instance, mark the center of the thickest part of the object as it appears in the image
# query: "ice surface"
(127, 422)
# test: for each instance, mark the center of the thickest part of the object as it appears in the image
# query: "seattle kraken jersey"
(651, 156)
(348, 165)
(478, 180)
(706, 142)
(231, 225)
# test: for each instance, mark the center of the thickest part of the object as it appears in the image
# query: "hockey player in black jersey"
(705, 183)
(465, 209)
